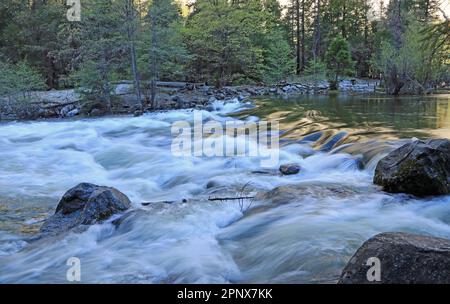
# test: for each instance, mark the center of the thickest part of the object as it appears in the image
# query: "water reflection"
(357, 118)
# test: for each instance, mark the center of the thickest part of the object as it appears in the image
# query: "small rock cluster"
(358, 86)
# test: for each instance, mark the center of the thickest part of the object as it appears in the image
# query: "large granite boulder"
(419, 167)
(85, 204)
(403, 259)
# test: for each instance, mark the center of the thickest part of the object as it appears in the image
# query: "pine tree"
(19, 79)
(31, 33)
(166, 55)
(131, 26)
(101, 50)
(338, 59)
(239, 44)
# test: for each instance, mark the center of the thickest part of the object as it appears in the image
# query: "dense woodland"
(406, 43)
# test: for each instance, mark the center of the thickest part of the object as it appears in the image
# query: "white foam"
(305, 240)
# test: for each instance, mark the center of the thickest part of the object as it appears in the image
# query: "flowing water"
(302, 232)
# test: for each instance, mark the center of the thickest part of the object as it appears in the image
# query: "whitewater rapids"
(308, 239)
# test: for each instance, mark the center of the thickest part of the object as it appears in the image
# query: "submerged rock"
(420, 168)
(85, 204)
(292, 193)
(212, 184)
(290, 169)
(404, 259)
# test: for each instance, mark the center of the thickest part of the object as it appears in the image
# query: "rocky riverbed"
(171, 95)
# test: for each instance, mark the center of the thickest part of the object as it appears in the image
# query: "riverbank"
(170, 95)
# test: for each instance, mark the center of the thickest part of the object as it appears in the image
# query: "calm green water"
(360, 117)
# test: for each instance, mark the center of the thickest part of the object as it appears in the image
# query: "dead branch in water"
(240, 198)
(160, 202)
(230, 198)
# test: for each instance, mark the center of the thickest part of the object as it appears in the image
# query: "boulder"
(220, 96)
(306, 192)
(96, 112)
(138, 113)
(66, 110)
(73, 112)
(177, 98)
(419, 167)
(287, 88)
(403, 259)
(85, 204)
(290, 169)
(212, 184)
(123, 88)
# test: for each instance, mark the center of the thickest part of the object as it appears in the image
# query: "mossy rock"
(420, 168)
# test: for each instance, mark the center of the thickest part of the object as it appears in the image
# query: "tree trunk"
(381, 9)
(303, 37)
(131, 33)
(365, 70)
(427, 10)
(292, 26)
(137, 83)
(395, 82)
(396, 86)
(334, 85)
(395, 23)
(317, 33)
(297, 21)
(344, 17)
(105, 81)
(153, 64)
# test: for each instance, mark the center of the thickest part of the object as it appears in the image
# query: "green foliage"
(436, 38)
(414, 55)
(419, 62)
(91, 84)
(31, 33)
(226, 42)
(100, 51)
(278, 60)
(162, 36)
(315, 71)
(220, 43)
(19, 78)
(237, 41)
(338, 59)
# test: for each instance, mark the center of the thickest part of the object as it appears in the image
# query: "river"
(303, 238)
